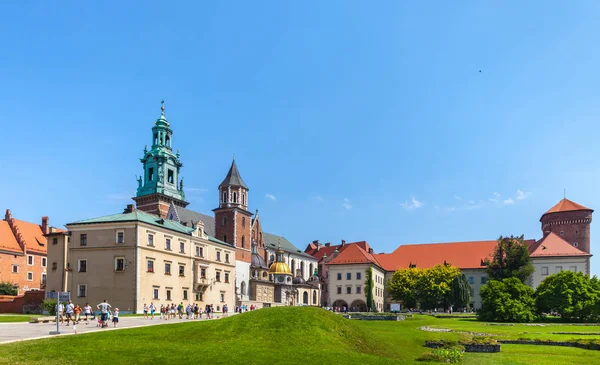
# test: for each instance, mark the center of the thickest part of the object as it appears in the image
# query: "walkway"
(14, 332)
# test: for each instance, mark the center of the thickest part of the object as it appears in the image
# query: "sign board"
(61, 296)
(395, 307)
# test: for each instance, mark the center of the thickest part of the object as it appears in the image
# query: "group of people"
(72, 313)
(172, 311)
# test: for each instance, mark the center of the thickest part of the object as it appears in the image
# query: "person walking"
(152, 310)
(59, 310)
(77, 311)
(145, 311)
(69, 312)
(87, 310)
(104, 308)
(115, 317)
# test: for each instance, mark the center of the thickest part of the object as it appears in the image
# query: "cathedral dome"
(280, 268)
(258, 261)
(299, 280)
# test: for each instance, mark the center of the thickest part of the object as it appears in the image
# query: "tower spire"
(162, 107)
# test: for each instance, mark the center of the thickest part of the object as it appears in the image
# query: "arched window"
(294, 267)
(224, 197)
(310, 270)
(244, 222)
(305, 298)
(155, 138)
(244, 198)
(224, 238)
(234, 197)
(168, 141)
(243, 241)
(314, 297)
(243, 288)
(302, 268)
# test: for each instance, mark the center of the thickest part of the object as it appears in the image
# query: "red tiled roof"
(8, 242)
(566, 205)
(554, 245)
(33, 236)
(318, 254)
(354, 254)
(464, 255)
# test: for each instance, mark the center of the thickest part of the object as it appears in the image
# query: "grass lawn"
(284, 336)
(5, 318)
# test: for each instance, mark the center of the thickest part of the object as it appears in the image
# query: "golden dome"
(280, 268)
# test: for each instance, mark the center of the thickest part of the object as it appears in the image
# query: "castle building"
(23, 249)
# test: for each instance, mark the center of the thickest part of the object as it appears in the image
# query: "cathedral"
(269, 270)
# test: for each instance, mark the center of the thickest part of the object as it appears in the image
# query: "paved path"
(13, 332)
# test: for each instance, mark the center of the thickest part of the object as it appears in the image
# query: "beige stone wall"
(547, 266)
(261, 292)
(58, 277)
(353, 283)
(476, 278)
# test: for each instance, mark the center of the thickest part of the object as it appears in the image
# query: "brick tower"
(571, 221)
(159, 185)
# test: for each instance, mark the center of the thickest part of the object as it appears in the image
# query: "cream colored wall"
(57, 279)
(334, 283)
(554, 265)
(476, 276)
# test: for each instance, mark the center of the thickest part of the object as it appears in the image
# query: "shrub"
(479, 340)
(50, 306)
(7, 288)
(572, 295)
(452, 355)
(508, 300)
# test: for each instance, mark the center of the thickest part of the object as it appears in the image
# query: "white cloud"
(347, 204)
(509, 201)
(413, 204)
(497, 195)
(521, 195)
(271, 196)
(318, 198)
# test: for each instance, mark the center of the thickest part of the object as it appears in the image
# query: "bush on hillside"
(572, 295)
(444, 355)
(508, 300)
(8, 288)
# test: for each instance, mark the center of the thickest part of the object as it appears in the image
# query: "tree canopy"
(8, 288)
(573, 295)
(508, 300)
(510, 259)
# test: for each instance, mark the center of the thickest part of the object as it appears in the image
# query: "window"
(218, 276)
(30, 276)
(224, 238)
(82, 265)
(348, 290)
(167, 268)
(155, 293)
(150, 264)
(54, 266)
(562, 233)
(484, 279)
(170, 176)
(218, 255)
(471, 280)
(181, 270)
(150, 240)
(184, 294)
(120, 264)
(243, 241)
(222, 297)
(244, 198)
(575, 244)
(83, 239)
(339, 290)
(199, 297)
(43, 278)
(55, 241)
(44, 261)
(339, 276)
(182, 247)
(226, 277)
(545, 270)
(472, 292)
(235, 197)
(573, 268)
(30, 260)
(168, 294)
(151, 174)
(558, 269)
(358, 276)
(224, 197)
(227, 256)
(15, 269)
(224, 221)
(168, 244)
(203, 273)
(348, 276)
(82, 290)
(244, 222)
(358, 288)
(199, 251)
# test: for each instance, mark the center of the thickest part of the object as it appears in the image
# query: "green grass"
(286, 335)
(11, 318)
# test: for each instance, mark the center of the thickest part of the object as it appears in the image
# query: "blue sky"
(349, 120)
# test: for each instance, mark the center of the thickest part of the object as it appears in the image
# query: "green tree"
(8, 288)
(369, 289)
(510, 259)
(435, 286)
(461, 292)
(403, 286)
(572, 295)
(508, 300)
(50, 306)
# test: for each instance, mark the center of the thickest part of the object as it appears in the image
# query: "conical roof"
(233, 177)
(566, 205)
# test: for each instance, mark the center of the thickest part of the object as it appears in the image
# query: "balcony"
(200, 284)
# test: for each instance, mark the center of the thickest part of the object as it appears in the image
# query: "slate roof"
(188, 216)
(8, 242)
(566, 205)
(354, 254)
(271, 242)
(138, 216)
(553, 245)
(233, 177)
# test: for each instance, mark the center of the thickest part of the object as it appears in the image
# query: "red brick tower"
(233, 221)
(571, 221)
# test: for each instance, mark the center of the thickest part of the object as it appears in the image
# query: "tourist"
(104, 309)
(152, 310)
(180, 310)
(59, 311)
(87, 310)
(145, 311)
(69, 312)
(196, 309)
(162, 311)
(115, 317)
(173, 309)
(77, 311)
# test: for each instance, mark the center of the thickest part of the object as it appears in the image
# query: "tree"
(508, 300)
(403, 286)
(8, 288)
(435, 286)
(510, 259)
(461, 292)
(572, 295)
(369, 288)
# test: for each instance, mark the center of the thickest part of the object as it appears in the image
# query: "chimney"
(45, 225)
(343, 243)
(327, 244)
(7, 216)
(370, 250)
(129, 209)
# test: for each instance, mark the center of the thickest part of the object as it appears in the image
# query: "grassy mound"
(275, 335)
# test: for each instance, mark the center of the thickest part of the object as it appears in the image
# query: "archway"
(315, 297)
(305, 298)
(343, 306)
(243, 288)
(358, 306)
